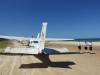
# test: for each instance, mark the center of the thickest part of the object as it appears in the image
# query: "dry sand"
(67, 64)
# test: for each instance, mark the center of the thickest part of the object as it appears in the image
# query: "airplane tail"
(43, 36)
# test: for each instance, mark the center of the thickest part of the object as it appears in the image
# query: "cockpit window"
(35, 41)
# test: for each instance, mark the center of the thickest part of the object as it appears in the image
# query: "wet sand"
(67, 64)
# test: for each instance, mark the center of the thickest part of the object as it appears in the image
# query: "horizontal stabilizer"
(21, 50)
(52, 51)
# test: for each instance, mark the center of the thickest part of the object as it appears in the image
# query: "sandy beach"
(72, 45)
(65, 64)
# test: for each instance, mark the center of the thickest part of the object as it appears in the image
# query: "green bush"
(3, 44)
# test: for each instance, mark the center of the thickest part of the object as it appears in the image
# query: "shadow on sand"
(47, 63)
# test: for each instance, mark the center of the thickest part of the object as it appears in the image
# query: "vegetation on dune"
(3, 44)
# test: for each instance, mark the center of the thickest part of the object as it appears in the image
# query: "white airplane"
(37, 44)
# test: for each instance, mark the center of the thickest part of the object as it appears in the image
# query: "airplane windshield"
(35, 41)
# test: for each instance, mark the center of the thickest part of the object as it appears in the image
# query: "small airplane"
(37, 48)
(36, 45)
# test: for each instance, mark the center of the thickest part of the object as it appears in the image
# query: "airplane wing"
(29, 38)
(15, 38)
(58, 39)
(31, 51)
(48, 39)
(58, 51)
(75, 39)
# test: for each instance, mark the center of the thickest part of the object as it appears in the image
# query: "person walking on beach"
(90, 47)
(86, 46)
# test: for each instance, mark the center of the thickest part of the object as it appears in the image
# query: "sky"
(66, 18)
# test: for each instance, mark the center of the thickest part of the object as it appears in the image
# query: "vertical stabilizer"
(43, 36)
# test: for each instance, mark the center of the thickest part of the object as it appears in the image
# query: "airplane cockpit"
(33, 43)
